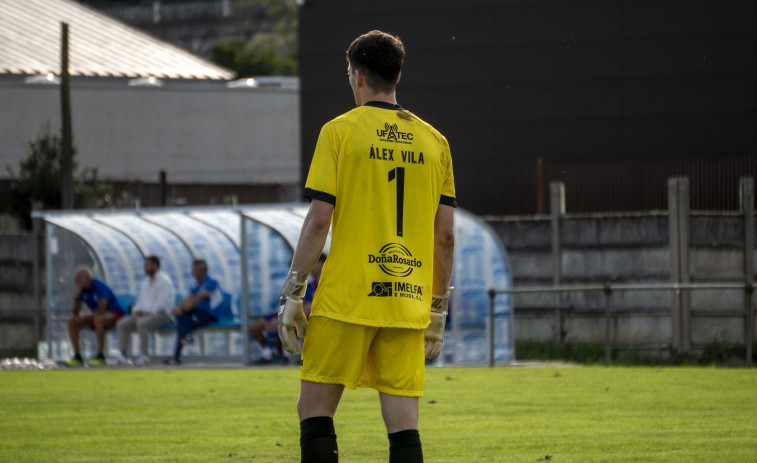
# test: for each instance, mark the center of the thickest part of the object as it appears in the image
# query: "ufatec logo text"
(391, 132)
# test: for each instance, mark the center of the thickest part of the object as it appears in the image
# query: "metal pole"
(66, 162)
(556, 210)
(243, 252)
(492, 295)
(746, 194)
(608, 324)
(49, 290)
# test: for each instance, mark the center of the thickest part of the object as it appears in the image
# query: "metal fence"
(609, 184)
(608, 289)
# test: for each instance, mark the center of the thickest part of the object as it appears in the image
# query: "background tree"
(39, 179)
(266, 53)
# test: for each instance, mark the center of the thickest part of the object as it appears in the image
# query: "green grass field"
(468, 415)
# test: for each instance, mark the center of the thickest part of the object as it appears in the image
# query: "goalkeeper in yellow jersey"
(382, 179)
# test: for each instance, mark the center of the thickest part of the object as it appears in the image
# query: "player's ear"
(359, 78)
(399, 76)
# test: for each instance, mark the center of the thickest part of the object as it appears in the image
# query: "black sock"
(318, 440)
(78, 357)
(405, 447)
(100, 356)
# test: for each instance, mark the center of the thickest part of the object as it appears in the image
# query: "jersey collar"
(383, 105)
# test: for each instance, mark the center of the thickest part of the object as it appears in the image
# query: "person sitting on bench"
(265, 328)
(100, 299)
(150, 312)
(196, 309)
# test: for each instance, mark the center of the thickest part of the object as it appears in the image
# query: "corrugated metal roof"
(30, 34)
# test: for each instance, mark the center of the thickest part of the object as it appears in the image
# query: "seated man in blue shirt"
(265, 329)
(105, 312)
(197, 309)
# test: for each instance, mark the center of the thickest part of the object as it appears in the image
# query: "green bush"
(588, 353)
(39, 179)
(585, 353)
(717, 351)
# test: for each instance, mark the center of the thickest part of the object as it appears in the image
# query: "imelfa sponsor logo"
(381, 289)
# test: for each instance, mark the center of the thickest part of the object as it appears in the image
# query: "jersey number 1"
(398, 174)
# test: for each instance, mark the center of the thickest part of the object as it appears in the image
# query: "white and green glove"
(435, 331)
(291, 314)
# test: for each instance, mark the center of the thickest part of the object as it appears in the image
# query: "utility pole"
(66, 162)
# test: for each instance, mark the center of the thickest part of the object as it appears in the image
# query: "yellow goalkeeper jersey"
(385, 171)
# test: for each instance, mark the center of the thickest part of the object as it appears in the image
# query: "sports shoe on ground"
(142, 360)
(187, 340)
(75, 361)
(119, 358)
(98, 361)
(172, 361)
(267, 354)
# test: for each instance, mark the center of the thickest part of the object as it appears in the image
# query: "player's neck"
(390, 98)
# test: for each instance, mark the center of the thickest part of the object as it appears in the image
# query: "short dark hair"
(379, 56)
(201, 264)
(154, 259)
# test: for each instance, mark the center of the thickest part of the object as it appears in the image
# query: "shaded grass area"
(718, 352)
(468, 415)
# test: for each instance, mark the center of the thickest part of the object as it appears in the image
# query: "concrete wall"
(632, 248)
(594, 249)
(17, 263)
(198, 133)
(21, 316)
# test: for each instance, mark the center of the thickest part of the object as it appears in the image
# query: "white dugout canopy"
(248, 250)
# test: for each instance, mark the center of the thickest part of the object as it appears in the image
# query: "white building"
(140, 106)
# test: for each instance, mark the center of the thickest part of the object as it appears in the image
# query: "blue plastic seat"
(126, 301)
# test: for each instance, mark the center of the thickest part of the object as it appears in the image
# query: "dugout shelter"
(248, 250)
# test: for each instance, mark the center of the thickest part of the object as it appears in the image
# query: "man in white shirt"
(151, 311)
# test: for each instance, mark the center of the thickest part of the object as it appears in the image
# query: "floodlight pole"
(66, 162)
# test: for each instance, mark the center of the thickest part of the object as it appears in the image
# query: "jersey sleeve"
(448, 187)
(321, 182)
(210, 285)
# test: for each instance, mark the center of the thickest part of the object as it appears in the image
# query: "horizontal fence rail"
(609, 288)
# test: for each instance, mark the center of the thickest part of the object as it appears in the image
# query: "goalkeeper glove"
(291, 314)
(435, 332)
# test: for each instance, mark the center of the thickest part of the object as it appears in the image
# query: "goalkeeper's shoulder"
(430, 129)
